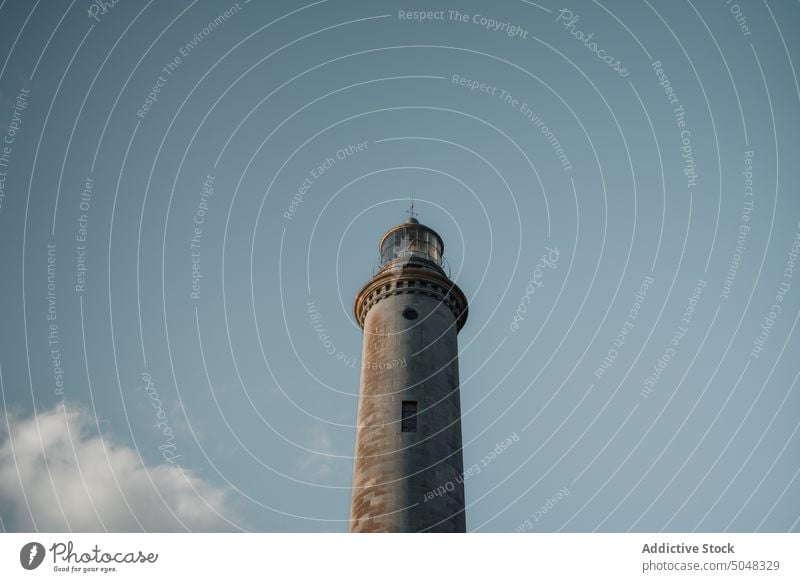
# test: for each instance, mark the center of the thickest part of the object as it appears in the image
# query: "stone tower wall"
(395, 473)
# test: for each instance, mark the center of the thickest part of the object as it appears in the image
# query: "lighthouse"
(408, 467)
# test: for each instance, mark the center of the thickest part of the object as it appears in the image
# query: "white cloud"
(96, 484)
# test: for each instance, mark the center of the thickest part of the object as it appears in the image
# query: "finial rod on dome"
(412, 215)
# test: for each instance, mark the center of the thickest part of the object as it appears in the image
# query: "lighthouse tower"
(408, 470)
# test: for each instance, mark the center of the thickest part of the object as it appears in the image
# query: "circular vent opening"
(410, 313)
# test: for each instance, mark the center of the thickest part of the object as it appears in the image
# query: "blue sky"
(181, 182)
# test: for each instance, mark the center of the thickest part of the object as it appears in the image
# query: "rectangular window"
(408, 422)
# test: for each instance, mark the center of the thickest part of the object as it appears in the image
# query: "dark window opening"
(408, 422)
(410, 313)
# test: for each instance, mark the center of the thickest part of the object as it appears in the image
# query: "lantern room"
(411, 240)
